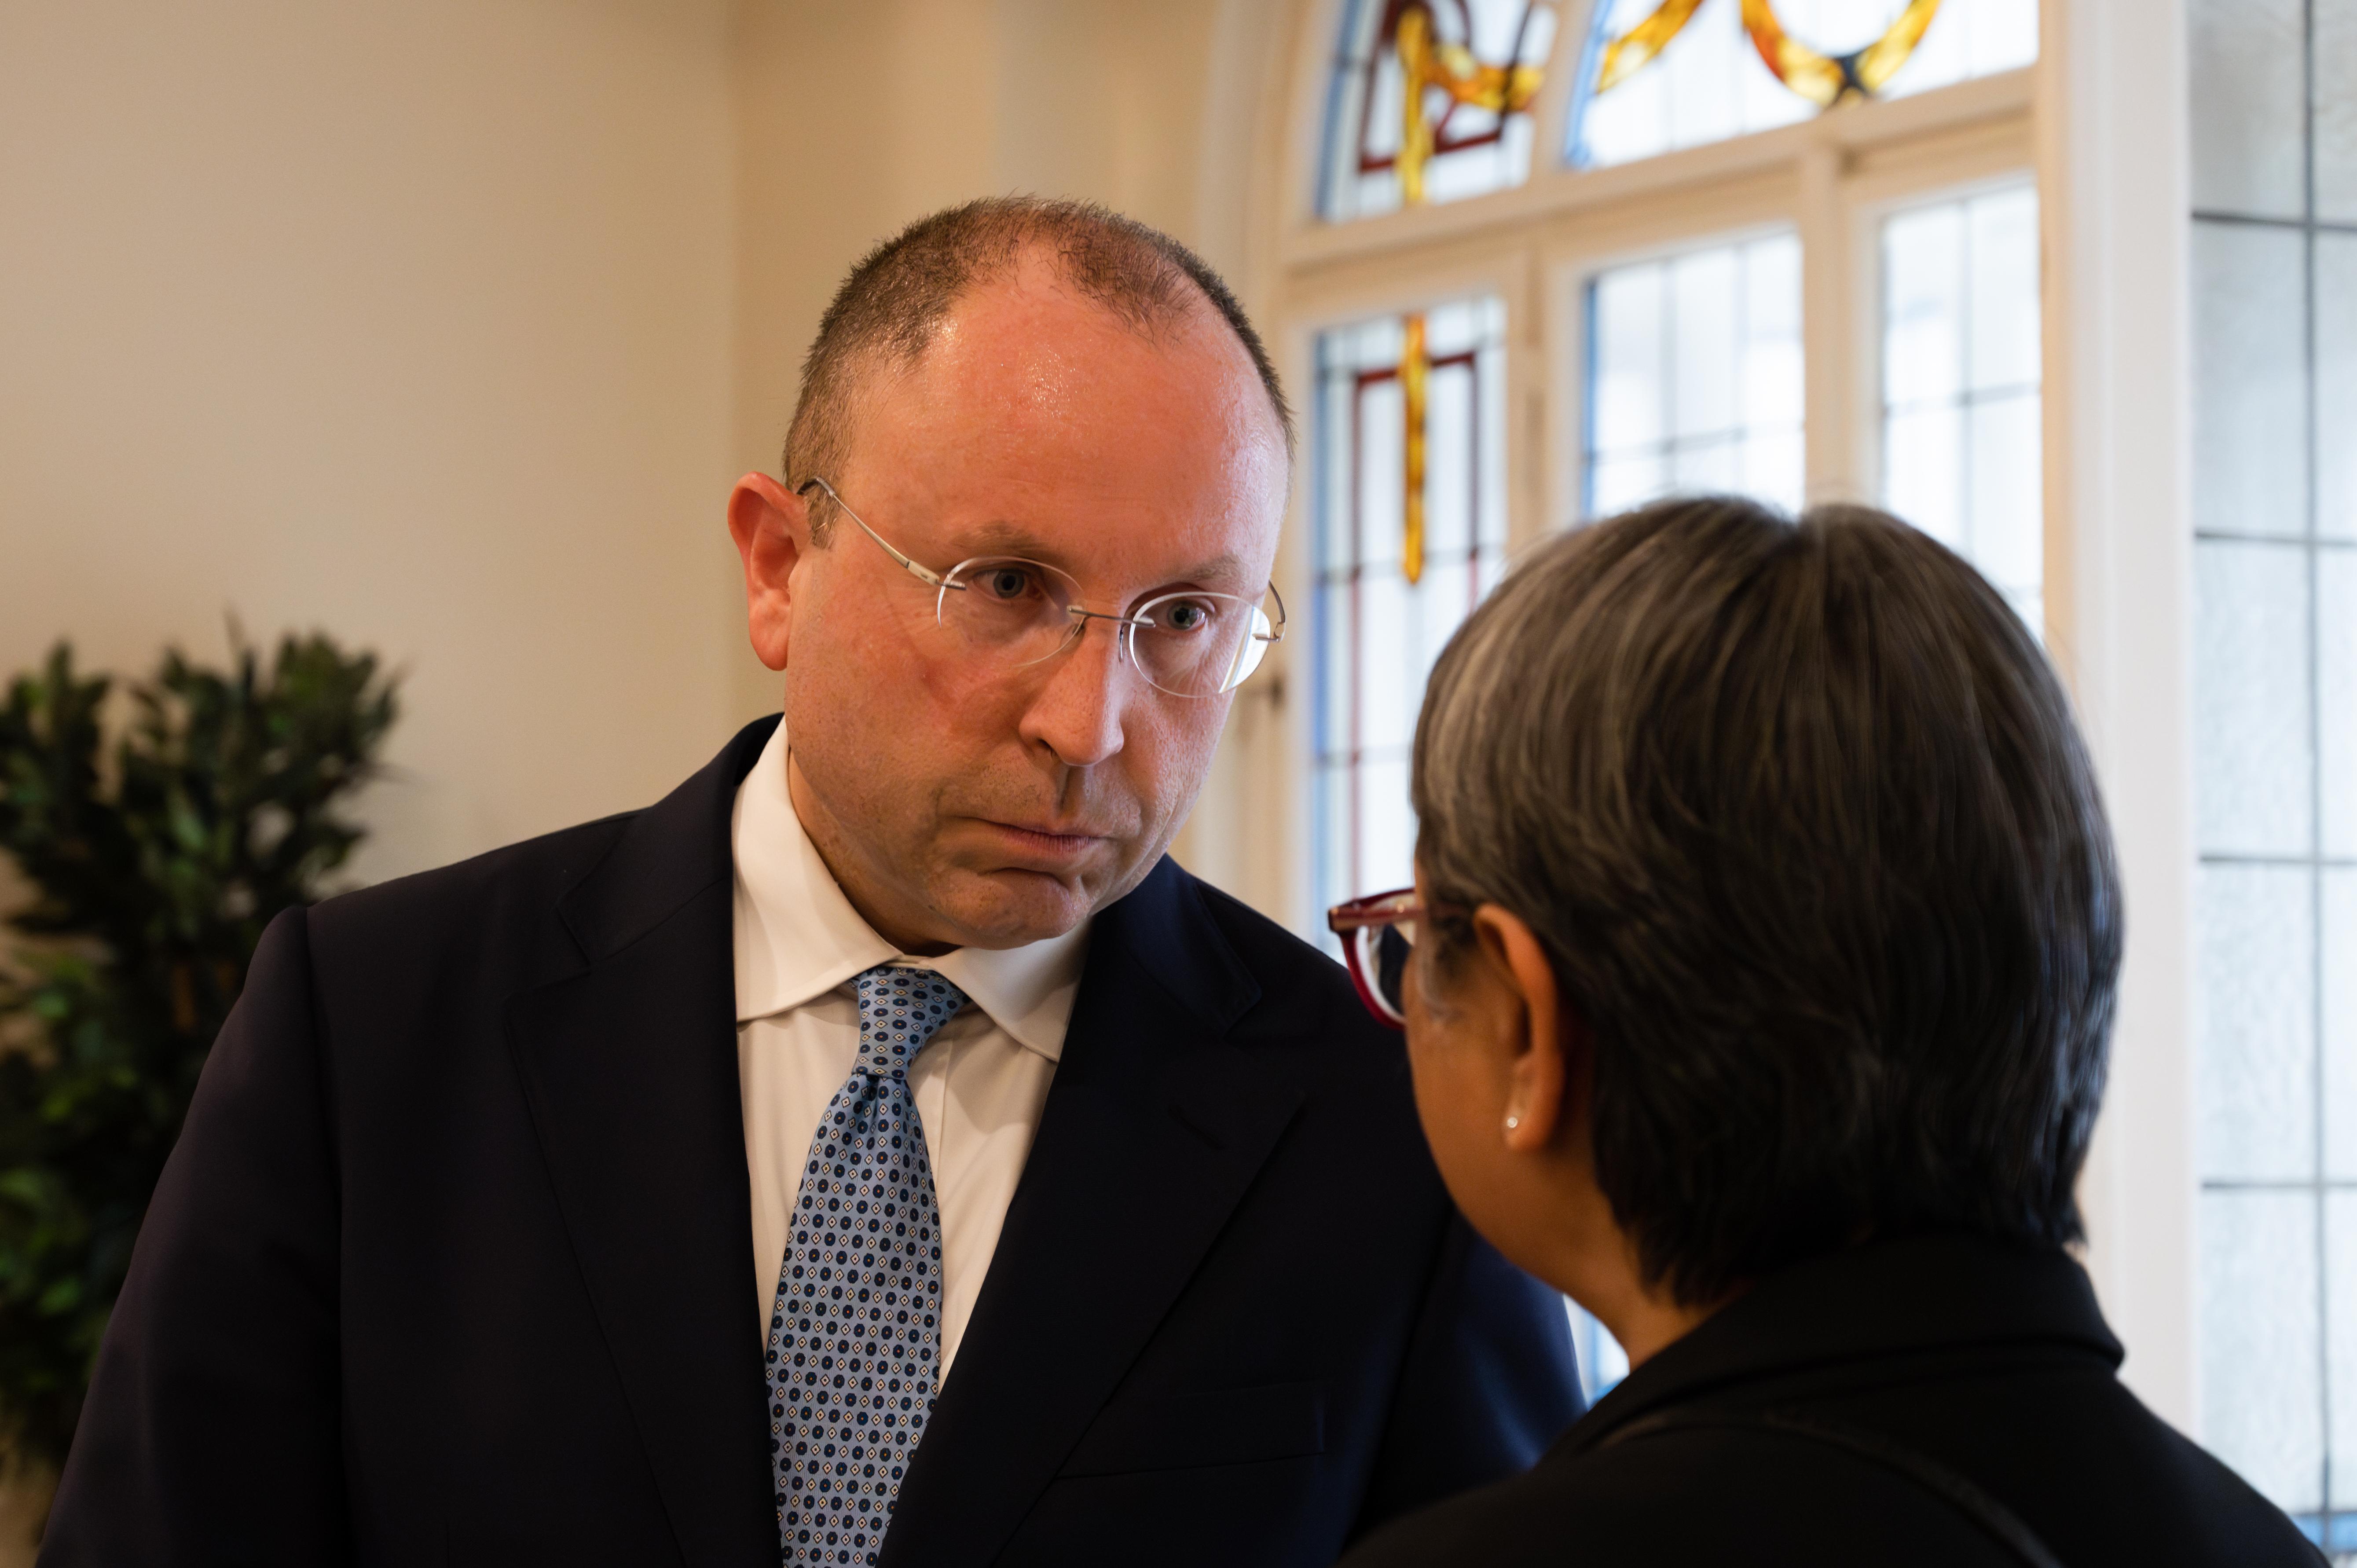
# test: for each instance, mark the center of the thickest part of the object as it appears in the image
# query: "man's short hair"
(1801, 816)
(886, 312)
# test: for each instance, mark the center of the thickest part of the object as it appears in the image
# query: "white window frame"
(2100, 123)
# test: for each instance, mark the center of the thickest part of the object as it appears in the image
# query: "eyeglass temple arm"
(1276, 633)
(931, 579)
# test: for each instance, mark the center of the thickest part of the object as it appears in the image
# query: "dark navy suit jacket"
(448, 1266)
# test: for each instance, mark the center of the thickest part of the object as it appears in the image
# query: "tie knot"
(900, 1010)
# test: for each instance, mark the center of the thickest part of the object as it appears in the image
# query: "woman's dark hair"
(1801, 815)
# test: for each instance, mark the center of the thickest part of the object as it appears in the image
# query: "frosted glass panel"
(1375, 632)
(2274, 458)
(1923, 471)
(2336, 115)
(1710, 83)
(2260, 1352)
(2340, 1337)
(1616, 484)
(1387, 684)
(2254, 1027)
(2336, 382)
(2249, 90)
(2336, 694)
(2250, 388)
(2253, 765)
(1337, 628)
(1387, 828)
(2341, 1030)
(1923, 305)
(1706, 305)
(2003, 248)
(1962, 439)
(1629, 317)
(1695, 380)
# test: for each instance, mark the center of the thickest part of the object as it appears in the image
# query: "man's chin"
(1009, 907)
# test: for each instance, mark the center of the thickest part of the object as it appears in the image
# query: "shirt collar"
(798, 938)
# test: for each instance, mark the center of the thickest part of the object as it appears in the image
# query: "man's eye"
(1007, 582)
(1185, 614)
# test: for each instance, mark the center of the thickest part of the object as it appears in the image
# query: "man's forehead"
(1032, 328)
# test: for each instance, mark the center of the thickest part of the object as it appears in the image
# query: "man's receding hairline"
(888, 313)
(1165, 332)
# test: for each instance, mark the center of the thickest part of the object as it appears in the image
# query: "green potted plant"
(148, 869)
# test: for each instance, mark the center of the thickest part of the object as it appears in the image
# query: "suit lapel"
(1153, 1129)
(629, 1069)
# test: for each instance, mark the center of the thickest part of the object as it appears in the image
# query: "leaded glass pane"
(1710, 79)
(2336, 110)
(1430, 100)
(2246, 116)
(2275, 744)
(2254, 761)
(2340, 1348)
(1381, 621)
(2255, 1014)
(2261, 1355)
(2250, 380)
(2340, 964)
(2336, 381)
(1694, 376)
(1963, 446)
(2336, 701)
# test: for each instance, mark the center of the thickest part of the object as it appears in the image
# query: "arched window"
(1563, 258)
(1558, 259)
(1801, 249)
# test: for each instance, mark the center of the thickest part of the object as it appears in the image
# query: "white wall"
(407, 319)
(442, 326)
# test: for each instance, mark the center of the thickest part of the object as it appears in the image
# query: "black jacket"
(449, 1264)
(1990, 1360)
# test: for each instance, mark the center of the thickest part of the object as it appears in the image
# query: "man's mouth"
(1047, 840)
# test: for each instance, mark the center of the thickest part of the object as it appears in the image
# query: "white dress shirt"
(979, 1084)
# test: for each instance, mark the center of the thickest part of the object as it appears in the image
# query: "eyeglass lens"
(1020, 612)
(1381, 954)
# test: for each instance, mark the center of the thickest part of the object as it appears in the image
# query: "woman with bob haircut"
(1757, 981)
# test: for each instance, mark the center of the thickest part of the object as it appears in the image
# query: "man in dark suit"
(1087, 1217)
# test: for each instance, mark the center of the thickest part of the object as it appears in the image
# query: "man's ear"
(1549, 1036)
(771, 527)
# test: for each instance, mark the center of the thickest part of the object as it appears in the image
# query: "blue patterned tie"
(855, 1334)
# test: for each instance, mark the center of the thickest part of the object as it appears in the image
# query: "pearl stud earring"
(1512, 1123)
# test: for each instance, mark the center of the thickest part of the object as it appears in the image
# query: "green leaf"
(152, 880)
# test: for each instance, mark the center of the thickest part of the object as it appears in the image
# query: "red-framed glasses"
(1378, 932)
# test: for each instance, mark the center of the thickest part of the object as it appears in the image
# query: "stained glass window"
(1659, 75)
(2275, 713)
(1430, 100)
(1694, 377)
(1962, 438)
(1409, 484)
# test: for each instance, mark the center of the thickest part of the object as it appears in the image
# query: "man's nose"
(1078, 712)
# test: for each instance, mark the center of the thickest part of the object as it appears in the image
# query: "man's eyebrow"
(1013, 539)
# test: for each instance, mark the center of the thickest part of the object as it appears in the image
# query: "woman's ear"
(771, 527)
(1547, 1035)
